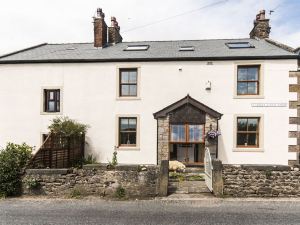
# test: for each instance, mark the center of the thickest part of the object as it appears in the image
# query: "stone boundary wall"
(137, 181)
(261, 181)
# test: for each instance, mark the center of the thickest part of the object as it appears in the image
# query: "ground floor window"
(248, 132)
(128, 131)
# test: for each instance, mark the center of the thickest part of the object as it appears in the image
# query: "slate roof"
(213, 49)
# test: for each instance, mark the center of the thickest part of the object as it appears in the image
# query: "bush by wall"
(13, 159)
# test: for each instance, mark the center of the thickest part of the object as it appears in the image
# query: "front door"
(189, 154)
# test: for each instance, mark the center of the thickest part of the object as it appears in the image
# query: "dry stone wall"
(137, 181)
(261, 181)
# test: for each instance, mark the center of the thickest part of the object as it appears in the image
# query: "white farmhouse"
(155, 100)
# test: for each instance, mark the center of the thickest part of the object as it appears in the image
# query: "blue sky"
(30, 22)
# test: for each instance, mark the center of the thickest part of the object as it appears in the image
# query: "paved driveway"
(95, 211)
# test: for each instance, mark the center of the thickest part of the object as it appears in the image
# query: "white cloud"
(30, 22)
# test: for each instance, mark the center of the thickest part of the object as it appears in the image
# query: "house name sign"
(280, 104)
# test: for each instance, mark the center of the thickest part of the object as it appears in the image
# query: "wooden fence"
(59, 152)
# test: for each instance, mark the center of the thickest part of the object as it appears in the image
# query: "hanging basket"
(212, 136)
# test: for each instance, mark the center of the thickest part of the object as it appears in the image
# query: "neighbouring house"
(156, 100)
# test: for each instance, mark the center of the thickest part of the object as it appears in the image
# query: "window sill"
(248, 150)
(248, 97)
(128, 148)
(51, 113)
(127, 98)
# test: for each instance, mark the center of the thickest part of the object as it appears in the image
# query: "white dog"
(176, 166)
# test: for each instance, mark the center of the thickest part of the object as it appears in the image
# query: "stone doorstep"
(187, 187)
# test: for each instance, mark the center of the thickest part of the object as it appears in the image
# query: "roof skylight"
(186, 48)
(137, 48)
(239, 45)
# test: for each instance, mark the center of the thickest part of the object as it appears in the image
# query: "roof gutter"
(147, 59)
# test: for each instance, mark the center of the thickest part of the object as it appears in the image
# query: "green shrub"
(32, 183)
(13, 159)
(114, 162)
(120, 192)
(67, 127)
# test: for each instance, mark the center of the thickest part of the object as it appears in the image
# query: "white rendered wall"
(89, 95)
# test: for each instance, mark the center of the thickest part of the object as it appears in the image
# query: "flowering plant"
(212, 134)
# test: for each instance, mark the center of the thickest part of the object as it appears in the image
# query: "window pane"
(57, 95)
(132, 77)
(242, 88)
(242, 139)
(252, 139)
(51, 95)
(124, 90)
(253, 124)
(195, 133)
(178, 133)
(132, 124)
(252, 73)
(252, 88)
(128, 138)
(51, 106)
(132, 90)
(242, 74)
(242, 124)
(124, 124)
(124, 77)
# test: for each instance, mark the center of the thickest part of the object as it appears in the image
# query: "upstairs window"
(248, 80)
(52, 100)
(233, 45)
(128, 83)
(136, 48)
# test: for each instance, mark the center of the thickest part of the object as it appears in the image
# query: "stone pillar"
(163, 178)
(217, 179)
(163, 139)
(211, 124)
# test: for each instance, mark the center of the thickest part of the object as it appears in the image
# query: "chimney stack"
(261, 27)
(100, 30)
(114, 36)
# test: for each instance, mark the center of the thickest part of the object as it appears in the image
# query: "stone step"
(194, 170)
(186, 176)
(188, 187)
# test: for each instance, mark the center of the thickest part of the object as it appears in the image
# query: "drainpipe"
(157, 141)
(217, 148)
